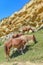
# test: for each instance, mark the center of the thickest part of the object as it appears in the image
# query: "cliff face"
(31, 14)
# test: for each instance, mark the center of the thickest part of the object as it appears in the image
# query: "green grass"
(2, 55)
(1, 43)
(34, 53)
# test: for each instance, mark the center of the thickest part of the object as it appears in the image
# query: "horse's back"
(16, 41)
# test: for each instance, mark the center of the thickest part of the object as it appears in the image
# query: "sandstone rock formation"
(31, 14)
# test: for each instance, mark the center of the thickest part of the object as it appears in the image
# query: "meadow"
(33, 53)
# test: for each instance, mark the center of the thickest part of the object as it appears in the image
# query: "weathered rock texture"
(31, 14)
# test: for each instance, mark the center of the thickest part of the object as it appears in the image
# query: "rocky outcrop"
(31, 14)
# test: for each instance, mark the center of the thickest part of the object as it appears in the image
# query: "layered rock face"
(31, 14)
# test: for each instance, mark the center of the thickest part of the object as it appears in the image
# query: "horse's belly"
(17, 46)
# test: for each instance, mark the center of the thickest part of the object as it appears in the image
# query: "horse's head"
(31, 37)
(34, 39)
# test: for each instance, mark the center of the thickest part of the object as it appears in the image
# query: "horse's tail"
(34, 39)
(6, 49)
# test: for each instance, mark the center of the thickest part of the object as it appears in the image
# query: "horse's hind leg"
(8, 58)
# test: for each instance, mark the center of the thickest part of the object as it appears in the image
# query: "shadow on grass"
(16, 53)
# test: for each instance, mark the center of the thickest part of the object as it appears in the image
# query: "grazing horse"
(18, 43)
(26, 28)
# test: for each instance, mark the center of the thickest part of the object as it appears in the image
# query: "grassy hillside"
(34, 52)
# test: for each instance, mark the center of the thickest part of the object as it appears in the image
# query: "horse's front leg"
(24, 47)
(21, 51)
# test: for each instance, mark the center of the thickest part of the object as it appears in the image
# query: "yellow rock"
(30, 14)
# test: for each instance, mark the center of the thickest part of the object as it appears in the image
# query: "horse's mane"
(17, 35)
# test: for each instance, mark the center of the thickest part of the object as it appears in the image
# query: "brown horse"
(18, 43)
(26, 28)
